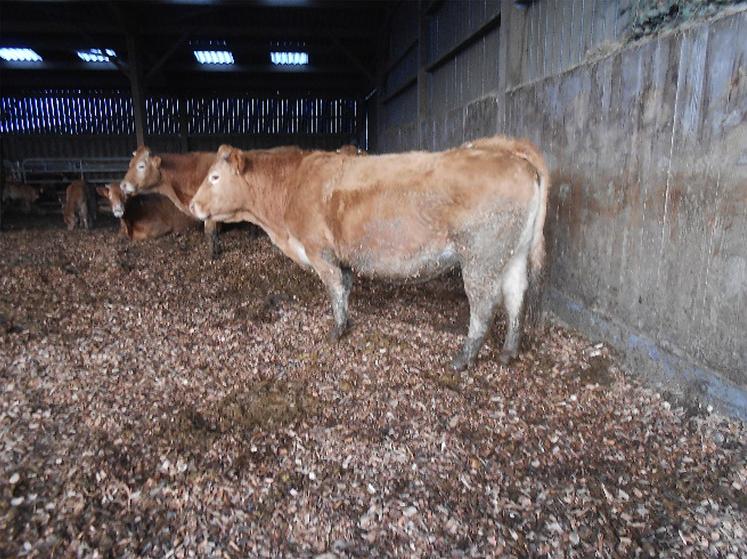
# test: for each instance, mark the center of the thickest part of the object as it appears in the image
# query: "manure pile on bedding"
(154, 403)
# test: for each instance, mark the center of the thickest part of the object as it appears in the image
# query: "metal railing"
(51, 171)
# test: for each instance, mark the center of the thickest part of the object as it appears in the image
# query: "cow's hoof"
(506, 357)
(338, 332)
(460, 363)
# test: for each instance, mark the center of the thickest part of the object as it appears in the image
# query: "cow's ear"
(236, 160)
(103, 191)
(224, 152)
(134, 153)
(156, 161)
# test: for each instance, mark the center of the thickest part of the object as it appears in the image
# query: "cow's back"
(441, 192)
(391, 214)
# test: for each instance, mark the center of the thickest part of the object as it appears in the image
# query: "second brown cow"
(174, 175)
(146, 217)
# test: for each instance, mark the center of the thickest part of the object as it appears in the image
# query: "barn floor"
(155, 403)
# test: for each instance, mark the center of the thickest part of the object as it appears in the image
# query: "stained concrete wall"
(647, 225)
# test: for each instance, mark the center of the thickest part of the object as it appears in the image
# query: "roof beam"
(258, 69)
(354, 59)
(222, 31)
(168, 54)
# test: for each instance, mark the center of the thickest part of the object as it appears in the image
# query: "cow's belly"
(420, 265)
(398, 250)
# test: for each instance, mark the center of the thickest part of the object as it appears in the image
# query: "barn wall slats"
(559, 34)
(77, 123)
(461, 55)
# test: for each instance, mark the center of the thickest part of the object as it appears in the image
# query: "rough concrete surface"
(648, 221)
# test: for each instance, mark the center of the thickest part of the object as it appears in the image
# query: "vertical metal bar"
(136, 87)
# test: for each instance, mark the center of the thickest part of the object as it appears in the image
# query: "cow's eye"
(214, 178)
(141, 167)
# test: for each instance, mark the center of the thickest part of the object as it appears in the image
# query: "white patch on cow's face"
(198, 211)
(118, 210)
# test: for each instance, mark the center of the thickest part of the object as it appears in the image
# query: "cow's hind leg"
(84, 218)
(338, 281)
(483, 293)
(211, 231)
(513, 286)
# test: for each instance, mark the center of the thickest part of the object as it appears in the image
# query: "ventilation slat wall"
(102, 119)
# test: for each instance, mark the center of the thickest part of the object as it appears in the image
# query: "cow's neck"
(267, 203)
(181, 176)
(268, 192)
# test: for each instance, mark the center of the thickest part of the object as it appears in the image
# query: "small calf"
(75, 210)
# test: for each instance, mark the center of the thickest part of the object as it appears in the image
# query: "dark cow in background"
(24, 195)
(403, 216)
(176, 176)
(146, 217)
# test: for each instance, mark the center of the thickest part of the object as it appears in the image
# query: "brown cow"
(75, 210)
(148, 216)
(402, 216)
(23, 194)
(174, 175)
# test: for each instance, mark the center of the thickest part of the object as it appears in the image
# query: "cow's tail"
(536, 256)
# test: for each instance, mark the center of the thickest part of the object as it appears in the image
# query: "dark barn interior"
(166, 396)
(155, 90)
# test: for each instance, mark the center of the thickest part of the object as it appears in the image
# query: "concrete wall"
(647, 225)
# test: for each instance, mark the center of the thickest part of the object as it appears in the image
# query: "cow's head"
(35, 194)
(143, 173)
(116, 197)
(222, 193)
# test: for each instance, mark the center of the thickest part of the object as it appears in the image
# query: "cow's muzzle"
(127, 187)
(198, 211)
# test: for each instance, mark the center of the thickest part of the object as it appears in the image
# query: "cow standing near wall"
(402, 216)
(174, 175)
(146, 217)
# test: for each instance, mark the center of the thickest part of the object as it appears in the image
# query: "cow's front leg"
(211, 231)
(338, 281)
